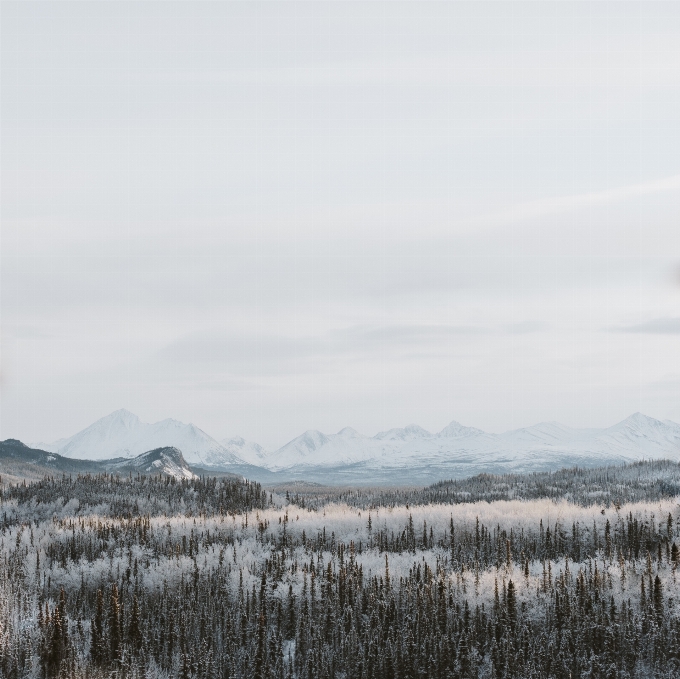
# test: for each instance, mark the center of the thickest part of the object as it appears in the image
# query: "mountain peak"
(416, 429)
(349, 433)
(235, 440)
(457, 430)
(245, 451)
(311, 439)
(640, 417)
(120, 415)
(299, 450)
(407, 433)
(639, 421)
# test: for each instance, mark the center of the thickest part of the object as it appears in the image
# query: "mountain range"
(403, 455)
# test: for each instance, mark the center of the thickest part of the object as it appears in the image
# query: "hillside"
(19, 463)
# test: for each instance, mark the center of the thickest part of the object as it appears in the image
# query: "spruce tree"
(658, 600)
(97, 649)
(512, 606)
(134, 631)
(115, 650)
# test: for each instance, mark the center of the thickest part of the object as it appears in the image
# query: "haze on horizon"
(267, 218)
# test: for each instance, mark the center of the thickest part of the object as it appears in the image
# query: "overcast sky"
(266, 218)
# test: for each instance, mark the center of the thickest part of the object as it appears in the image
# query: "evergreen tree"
(512, 606)
(658, 600)
(97, 646)
(115, 649)
(134, 630)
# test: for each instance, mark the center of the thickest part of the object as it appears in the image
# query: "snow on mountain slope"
(122, 434)
(298, 451)
(641, 436)
(248, 451)
(168, 461)
(401, 446)
(545, 434)
(455, 430)
(313, 448)
(119, 426)
(547, 445)
(409, 433)
(107, 437)
(455, 450)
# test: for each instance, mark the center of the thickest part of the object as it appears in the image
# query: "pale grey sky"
(265, 218)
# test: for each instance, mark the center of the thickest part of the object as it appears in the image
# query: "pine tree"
(57, 649)
(259, 672)
(658, 600)
(115, 650)
(97, 651)
(512, 606)
(608, 539)
(134, 631)
(291, 617)
(464, 664)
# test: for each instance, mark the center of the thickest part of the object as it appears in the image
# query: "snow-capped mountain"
(403, 455)
(301, 450)
(122, 434)
(409, 433)
(248, 451)
(648, 437)
(544, 433)
(103, 435)
(459, 449)
(455, 430)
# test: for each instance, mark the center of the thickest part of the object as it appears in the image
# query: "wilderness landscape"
(552, 575)
(339, 340)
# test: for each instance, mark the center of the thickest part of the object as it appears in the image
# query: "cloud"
(265, 352)
(525, 327)
(28, 332)
(657, 326)
(533, 209)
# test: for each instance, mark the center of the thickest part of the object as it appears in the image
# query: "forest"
(564, 575)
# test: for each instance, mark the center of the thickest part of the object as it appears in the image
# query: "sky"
(264, 218)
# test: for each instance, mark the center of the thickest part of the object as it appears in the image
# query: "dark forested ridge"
(19, 462)
(136, 576)
(612, 485)
(640, 481)
(126, 497)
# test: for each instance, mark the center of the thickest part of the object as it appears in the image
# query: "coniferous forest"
(106, 576)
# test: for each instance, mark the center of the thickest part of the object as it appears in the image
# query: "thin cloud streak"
(543, 207)
(657, 326)
(239, 352)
